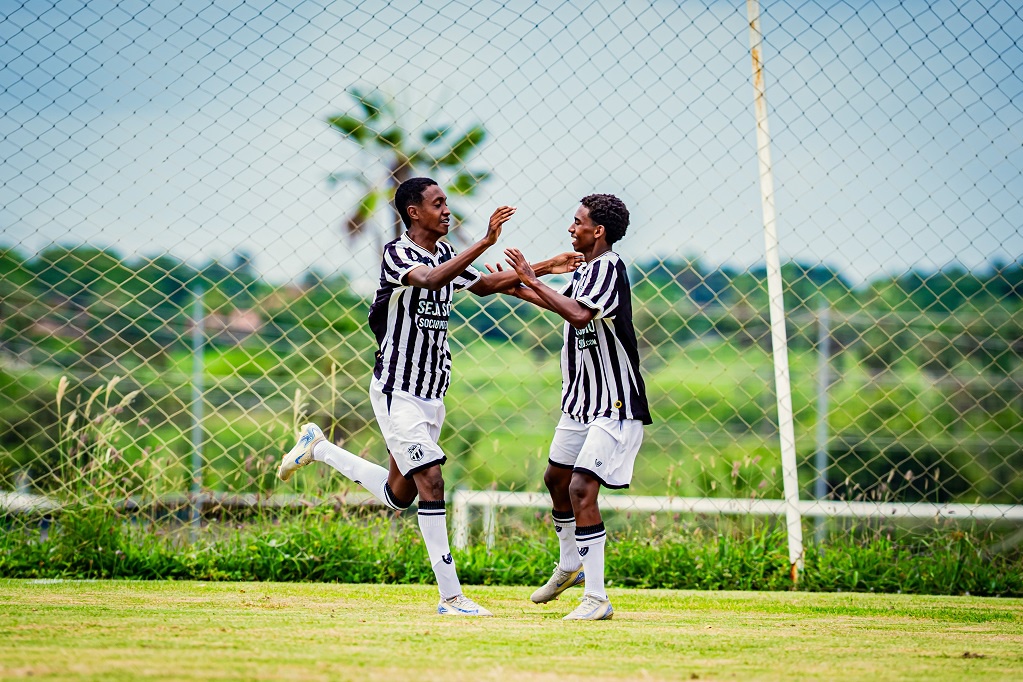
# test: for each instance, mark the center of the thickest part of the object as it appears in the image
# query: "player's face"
(582, 230)
(433, 213)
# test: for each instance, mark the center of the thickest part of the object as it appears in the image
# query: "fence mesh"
(195, 196)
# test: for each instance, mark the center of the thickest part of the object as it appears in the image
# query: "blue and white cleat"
(592, 608)
(302, 453)
(559, 582)
(461, 606)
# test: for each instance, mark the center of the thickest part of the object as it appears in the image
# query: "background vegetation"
(925, 386)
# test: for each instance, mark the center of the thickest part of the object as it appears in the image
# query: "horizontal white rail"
(491, 500)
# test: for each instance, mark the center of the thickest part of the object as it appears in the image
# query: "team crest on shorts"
(414, 452)
(599, 463)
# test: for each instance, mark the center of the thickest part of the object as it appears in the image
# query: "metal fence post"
(198, 389)
(820, 485)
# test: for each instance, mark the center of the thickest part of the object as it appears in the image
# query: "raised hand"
(565, 262)
(522, 268)
(497, 221)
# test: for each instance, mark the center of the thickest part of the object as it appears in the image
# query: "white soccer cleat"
(559, 582)
(302, 453)
(592, 608)
(461, 606)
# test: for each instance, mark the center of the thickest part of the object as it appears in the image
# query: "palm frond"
(350, 126)
(372, 103)
(466, 182)
(393, 137)
(465, 147)
(435, 134)
(362, 212)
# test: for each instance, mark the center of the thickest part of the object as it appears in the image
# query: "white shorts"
(411, 427)
(603, 448)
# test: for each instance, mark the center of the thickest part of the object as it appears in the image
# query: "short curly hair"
(609, 211)
(410, 193)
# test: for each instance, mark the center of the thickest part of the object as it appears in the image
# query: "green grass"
(224, 631)
(325, 546)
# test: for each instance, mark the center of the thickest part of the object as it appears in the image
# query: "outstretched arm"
(575, 313)
(442, 275)
(518, 289)
(502, 281)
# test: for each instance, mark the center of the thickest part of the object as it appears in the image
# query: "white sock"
(564, 527)
(370, 476)
(433, 524)
(591, 541)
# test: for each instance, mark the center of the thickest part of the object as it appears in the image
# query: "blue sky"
(198, 127)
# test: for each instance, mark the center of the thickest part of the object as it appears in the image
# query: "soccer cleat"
(592, 608)
(302, 453)
(559, 582)
(461, 606)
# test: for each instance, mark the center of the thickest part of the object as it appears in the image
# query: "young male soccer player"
(603, 398)
(409, 318)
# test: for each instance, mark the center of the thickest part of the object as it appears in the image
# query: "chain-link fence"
(195, 196)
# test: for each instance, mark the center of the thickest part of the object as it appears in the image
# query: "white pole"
(779, 339)
(198, 388)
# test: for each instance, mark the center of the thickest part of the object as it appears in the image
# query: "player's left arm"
(504, 281)
(445, 273)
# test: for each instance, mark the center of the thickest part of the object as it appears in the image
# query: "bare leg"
(403, 489)
(558, 480)
(583, 490)
(590, 536)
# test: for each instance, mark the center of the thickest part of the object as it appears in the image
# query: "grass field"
(287, 631)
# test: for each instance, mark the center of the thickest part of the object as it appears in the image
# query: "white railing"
(492, 500)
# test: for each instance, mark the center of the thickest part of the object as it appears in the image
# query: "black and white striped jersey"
(600, 374)
(411, 324)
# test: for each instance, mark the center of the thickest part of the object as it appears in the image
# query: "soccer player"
(603, 400)
(409, 317)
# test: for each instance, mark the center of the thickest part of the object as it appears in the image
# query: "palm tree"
(442, 150)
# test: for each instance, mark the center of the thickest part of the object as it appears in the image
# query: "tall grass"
(322, 545)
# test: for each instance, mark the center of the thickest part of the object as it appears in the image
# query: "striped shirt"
(411, 324)
(600, 374)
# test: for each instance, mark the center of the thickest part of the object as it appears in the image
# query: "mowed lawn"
(276, 631)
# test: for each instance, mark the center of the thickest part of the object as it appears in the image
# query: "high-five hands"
(522, 268)
(497, 221)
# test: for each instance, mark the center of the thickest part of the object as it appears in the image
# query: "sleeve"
(397, 263)
(599, 290)
(466, 278)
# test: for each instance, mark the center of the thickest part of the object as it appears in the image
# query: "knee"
(583, 490)
(556, 481)
(430, 484)
(396, 502)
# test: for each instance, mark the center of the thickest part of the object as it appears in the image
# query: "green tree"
(373, 123)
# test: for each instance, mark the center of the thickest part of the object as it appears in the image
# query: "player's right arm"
(574, 312)
(439, 277)
(521, 291)
(501, 281)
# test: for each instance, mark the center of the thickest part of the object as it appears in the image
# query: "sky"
(198, 128)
